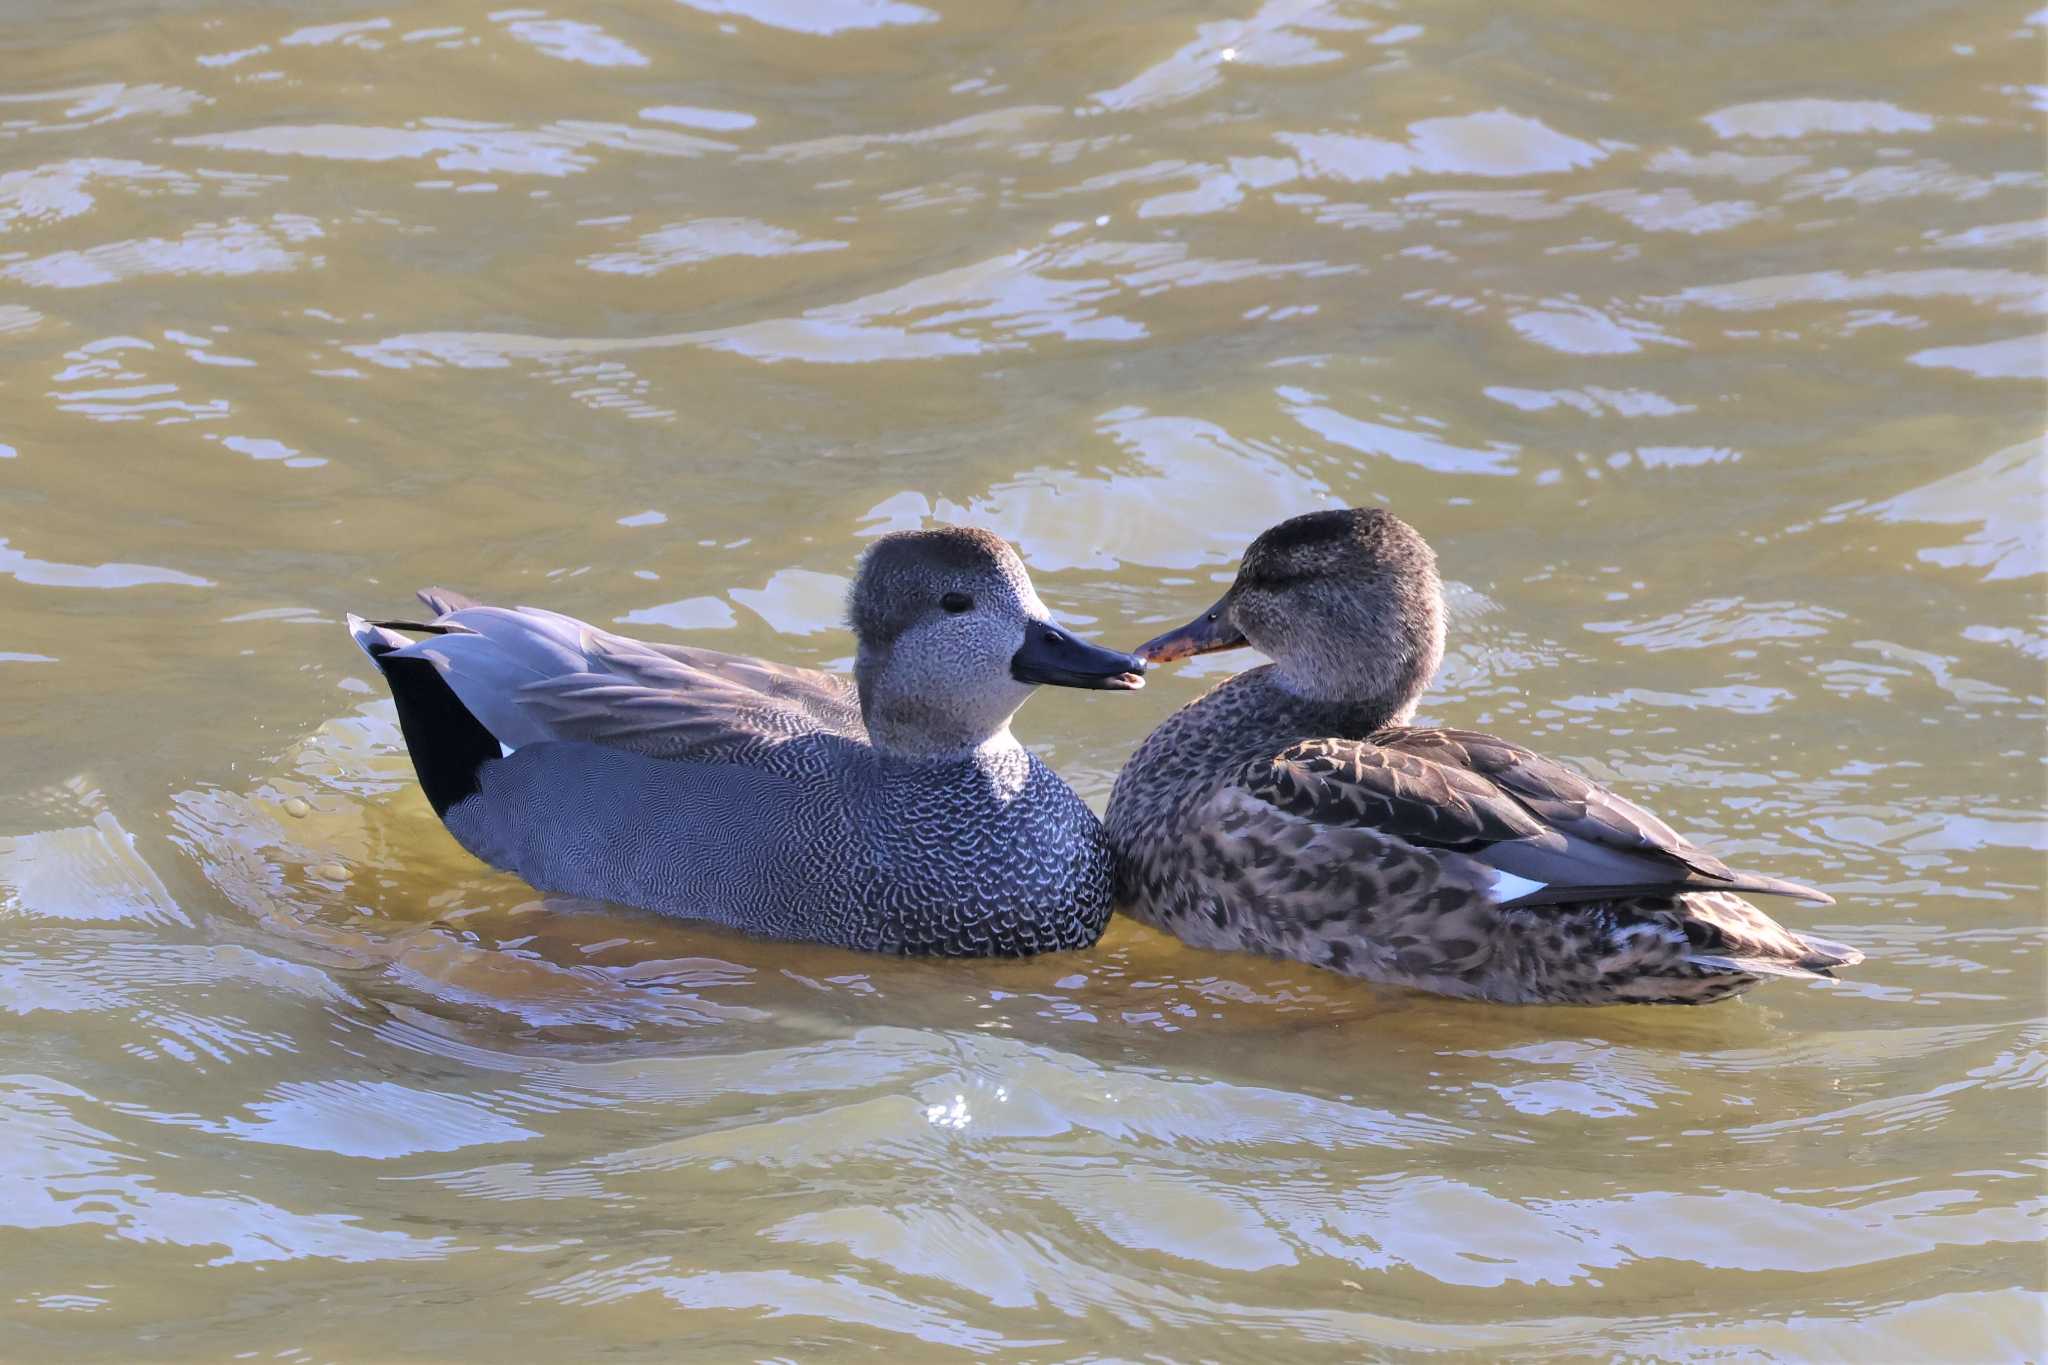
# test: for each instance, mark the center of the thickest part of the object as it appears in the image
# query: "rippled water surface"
(1706, 345)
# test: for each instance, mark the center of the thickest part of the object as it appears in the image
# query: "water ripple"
(1704, 365)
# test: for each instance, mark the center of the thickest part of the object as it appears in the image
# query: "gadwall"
(1295, 811)
(892, 812)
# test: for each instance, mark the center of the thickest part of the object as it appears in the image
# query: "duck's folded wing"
(1323, 881)
(827, 699)
(530, 675)
(1556, 836)
(697, 715)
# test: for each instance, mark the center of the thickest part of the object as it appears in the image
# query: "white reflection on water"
(1800, 118)
(1280, 34)
(64, 189)
(1050, 291)
(1924, 179)
(1674, 210)
(2013, 358)
(558, 149)
(798, 601)
(2000, 498)
(2013, 291)
(1742, 168)
(776, 1294)
(1579, 329)
(348, 32)
(1197, 497)
(236, 247)
(20, 565)
(1593, 401)
(689, 116)
(1739, 699)
(92, 106)
(568, 40)
(90, 872)
(1717, 622)
(820, 17)
(1418, 448)
(115, 390)
(705, 239)
(1498, 143)
(991, 126)
(266, 448)
(56, 1171)
(378, 1120)
(690, 613)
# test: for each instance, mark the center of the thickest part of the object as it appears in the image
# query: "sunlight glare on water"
(1706, 347)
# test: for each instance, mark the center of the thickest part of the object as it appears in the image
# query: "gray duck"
(1294, 810)
(892, 812)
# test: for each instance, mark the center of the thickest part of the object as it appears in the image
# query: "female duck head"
(953, 638)
(1346, 603)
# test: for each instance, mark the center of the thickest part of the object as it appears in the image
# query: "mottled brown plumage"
(1294, 811)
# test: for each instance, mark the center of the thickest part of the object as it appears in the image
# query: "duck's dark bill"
(1059, 658)
(1205, 634)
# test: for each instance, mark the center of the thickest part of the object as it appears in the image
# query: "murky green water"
(1707, 347)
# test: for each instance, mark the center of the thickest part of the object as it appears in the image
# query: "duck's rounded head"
(1346, 603)
(953, 638)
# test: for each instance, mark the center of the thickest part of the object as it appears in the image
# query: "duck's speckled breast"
(991, 857)
(1181, 767)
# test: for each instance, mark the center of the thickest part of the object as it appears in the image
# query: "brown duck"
(1294, 811)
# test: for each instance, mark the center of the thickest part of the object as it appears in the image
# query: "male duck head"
(1346, 603)
(953, 639)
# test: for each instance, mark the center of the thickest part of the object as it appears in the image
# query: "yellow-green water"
(1705, 344)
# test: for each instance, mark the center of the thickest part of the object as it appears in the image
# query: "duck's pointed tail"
(1760, 884)
(446, 600)
(1823, 955)
(1727, 933)
(448, 744)
(373, 639)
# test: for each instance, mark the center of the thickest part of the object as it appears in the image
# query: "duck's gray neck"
(1251, 716)
(1276, 701)
(917, 710)
(1324, 690)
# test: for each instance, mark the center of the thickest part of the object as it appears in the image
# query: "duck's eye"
(957, 602)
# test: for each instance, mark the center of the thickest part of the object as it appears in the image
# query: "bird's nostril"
(1052, 637)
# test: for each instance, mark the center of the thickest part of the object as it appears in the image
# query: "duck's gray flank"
(1295, 810)
(762, 796)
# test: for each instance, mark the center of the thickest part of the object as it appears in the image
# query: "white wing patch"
(1508, 887)
(506, 747)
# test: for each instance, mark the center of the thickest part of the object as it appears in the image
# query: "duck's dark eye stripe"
(957, 602)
